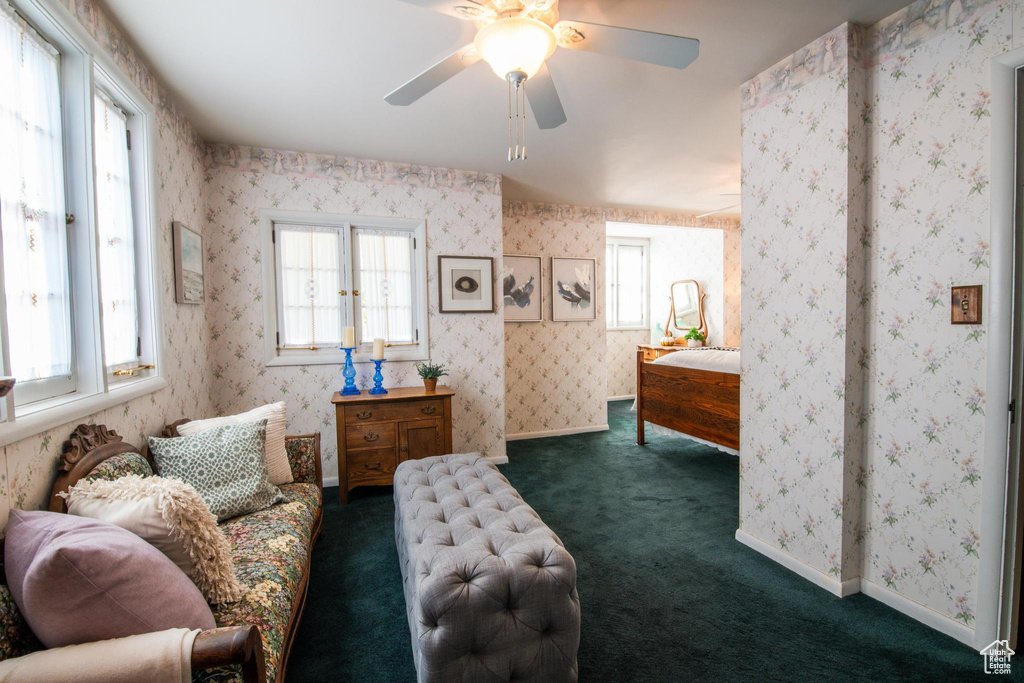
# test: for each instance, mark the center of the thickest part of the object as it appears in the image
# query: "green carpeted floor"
(666, 591)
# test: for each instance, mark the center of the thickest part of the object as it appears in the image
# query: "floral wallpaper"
(620, 351)
(794, 319)
(555, 372)
(30, 464)
(928, 229)
(909, 221)
(463, 214)
(732, 245)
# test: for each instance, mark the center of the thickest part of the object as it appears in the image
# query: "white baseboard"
(889, 598)
(330, 481)
(555, 432)
(627, 397)
(815, 576)
(915, 610)
(497, 459)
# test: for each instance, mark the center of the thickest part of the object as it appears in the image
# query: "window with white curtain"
(32, 213)
(79, 313)
(328, 272)
(627, 297)
(384, 275)
(116, 226)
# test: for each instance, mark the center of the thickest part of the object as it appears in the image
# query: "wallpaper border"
(592, 214)
(248, 159)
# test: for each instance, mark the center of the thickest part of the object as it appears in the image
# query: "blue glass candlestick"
(349, 373)
(378, 379)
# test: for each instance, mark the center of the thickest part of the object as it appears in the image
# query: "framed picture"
(573, 283)
(522, 288)
(466, 284)
(188, 265)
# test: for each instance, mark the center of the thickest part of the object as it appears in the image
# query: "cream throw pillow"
(278, 468)
(172, 517)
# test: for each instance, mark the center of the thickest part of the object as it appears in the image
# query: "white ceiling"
(311, 75)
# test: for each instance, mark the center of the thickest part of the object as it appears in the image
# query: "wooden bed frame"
(90, 445)
(701, 403)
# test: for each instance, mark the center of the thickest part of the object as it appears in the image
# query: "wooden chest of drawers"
(652, 352)
(376, 432)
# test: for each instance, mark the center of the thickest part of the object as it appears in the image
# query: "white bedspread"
(716, 360)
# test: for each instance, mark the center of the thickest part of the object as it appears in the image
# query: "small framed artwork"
(522, 290)
(188, 265)
(573, 283)
(466, 284)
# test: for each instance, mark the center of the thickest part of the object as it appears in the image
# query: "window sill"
(338, 357)
(46, 415)
(634, 328)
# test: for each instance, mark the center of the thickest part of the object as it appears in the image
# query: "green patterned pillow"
(226, 465)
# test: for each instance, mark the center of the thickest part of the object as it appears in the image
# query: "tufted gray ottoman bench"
(490, 591)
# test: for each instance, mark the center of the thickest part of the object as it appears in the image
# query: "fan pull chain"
(523, 155)
(510, 157)
(517, 123)
(517, 150)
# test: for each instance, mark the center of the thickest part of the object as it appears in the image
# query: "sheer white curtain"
(385, 286)
(32, 203)
(116, 228)
(311, 275)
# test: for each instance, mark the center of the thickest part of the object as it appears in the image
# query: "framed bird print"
(522, 291)
(573, 284)
(466, 284)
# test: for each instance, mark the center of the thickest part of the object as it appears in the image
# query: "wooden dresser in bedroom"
(376, 432)
(654, 352)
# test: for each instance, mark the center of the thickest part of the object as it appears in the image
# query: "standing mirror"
(687, 309)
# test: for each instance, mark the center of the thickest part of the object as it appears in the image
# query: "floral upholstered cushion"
(270, 549)
(118, 466)
(227, 465)
(302, 457)
(16, 638)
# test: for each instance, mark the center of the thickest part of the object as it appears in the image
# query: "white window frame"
(84, 66)
(347, 223)
(613, 281)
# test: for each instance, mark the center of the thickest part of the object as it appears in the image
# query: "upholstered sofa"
(271, 550)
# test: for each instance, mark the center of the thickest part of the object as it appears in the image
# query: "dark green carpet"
(666, 591)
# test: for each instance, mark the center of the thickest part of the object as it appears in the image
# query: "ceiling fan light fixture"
(515, 44)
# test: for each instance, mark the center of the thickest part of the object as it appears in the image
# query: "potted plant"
(430, 373)
(694, 337)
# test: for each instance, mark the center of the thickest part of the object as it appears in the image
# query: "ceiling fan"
(515, 37)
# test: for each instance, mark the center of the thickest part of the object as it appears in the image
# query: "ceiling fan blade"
(547, 108)
(470, 10)
(628, 43)
(433, 77)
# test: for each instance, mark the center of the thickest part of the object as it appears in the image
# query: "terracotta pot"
(430, 385)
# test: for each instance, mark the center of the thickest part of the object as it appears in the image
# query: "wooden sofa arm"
(231, 645)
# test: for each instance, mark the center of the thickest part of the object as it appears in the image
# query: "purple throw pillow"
(78, 580)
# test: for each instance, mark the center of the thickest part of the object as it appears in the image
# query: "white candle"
(348, 336)
(378, 349)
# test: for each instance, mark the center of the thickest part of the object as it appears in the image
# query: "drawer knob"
(404, 449)
(364, 414)
(372, 436)
(373, 465)
(428, 410)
